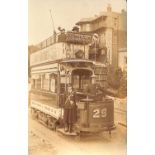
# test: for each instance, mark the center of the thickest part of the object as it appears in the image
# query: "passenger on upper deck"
(75, 28)
(62, 35)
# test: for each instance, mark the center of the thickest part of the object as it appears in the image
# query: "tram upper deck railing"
(68, 37)
(68, 45)
(60, 46)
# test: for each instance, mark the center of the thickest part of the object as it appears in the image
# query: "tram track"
(53, 143)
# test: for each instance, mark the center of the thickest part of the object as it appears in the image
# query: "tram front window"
(81, 79)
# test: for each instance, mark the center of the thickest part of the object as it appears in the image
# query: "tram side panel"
(98, 116)
(55, 112)
(44, 92)
(101, 114)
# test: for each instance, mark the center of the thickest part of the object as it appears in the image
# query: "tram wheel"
(51, 124)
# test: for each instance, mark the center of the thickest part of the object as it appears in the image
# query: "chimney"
(123, 11)
(109, 9)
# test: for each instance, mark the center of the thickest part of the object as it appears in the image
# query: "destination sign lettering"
(78, 38)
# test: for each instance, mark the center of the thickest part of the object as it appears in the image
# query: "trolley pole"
(95, 51)
(54, 32)
(52, 21)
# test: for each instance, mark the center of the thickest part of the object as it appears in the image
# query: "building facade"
(112, 31)
(122, 59)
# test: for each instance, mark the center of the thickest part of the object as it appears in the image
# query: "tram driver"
(70, 110)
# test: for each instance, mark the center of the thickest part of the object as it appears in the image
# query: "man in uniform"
(70, 110)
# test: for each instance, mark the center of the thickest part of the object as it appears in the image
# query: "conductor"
(70, 110)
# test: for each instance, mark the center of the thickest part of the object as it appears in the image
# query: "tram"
(65, 60)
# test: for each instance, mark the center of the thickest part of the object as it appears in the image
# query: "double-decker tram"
(67, 86)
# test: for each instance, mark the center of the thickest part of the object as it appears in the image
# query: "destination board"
(78, 38)
(58, 51)
(55, 112)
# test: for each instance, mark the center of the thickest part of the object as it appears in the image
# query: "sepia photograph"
(77, 77)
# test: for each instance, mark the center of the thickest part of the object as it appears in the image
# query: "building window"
(115, 22)
(125, 59)
(87, 27)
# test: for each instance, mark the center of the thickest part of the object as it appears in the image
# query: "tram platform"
(61, 130)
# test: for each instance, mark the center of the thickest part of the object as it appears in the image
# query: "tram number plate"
(98, 113)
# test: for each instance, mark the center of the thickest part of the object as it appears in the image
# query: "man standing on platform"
(70, 110)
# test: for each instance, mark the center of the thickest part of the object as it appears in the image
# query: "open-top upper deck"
(66, 37)
(61, 46)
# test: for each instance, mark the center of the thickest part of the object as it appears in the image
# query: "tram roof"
(84, 61)
(76, 60)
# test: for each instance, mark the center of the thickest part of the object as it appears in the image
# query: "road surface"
(43, 141)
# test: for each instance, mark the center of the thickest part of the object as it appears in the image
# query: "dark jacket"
(70, 109)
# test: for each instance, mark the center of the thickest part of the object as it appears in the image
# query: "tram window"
(38, 83)
(45, 83)
(53, 84)
(81, 78)
(76, 81)
(33, 83)
(81, 82)
(62, 88)
(100, 70)
(101, 77)
(85, 81)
